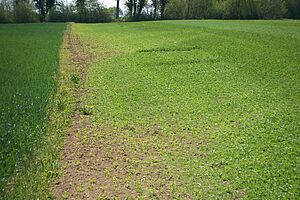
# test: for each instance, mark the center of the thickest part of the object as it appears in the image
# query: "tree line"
(92, 11)
(25, 11)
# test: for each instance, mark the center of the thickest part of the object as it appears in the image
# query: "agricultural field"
(29, 62)
(192, 109)
(189, 109)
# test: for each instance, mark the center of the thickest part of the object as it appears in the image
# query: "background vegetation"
(92, 11)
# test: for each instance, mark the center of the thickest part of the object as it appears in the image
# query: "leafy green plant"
(86, 110)
(75, 78)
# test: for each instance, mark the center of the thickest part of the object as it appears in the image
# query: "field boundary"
(81, 119)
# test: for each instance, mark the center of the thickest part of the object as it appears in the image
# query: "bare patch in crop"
(79, 138)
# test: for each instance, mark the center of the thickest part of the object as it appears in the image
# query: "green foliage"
(293, 8)
(92, 12)
(86, 110)
(135, 8)
(140, 5)
(224, 94)
(176, 10)
(84, 11)
(28, 67)
(154, 4)
(202, 8)
(162, 6)
(62, 13)
(44, 6)
(4, 18)
(129, 5)
(24, 13)
(75, 78)
(234, 9)
(271, 9)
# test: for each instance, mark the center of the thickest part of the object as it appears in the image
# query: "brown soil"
(74, 153)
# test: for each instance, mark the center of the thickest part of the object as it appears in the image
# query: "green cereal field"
(29, 61)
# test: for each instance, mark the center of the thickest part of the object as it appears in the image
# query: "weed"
(86, 110)
(75, 78)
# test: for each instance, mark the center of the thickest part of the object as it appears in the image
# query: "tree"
(134, 8)
(44, 7)
(95, 12)
(189, 4)
(155, 6)
(3, 14)
(176, 9)
(140, 5)
(129, 5)
(293, 8)
(201, 8)
(163, 4)
(81, 10)
(251, 9)
(62, 12)
(233, 9)
(91, 10)
(118, 9)
(271, 9)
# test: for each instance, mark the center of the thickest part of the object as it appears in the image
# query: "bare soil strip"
(75, 148)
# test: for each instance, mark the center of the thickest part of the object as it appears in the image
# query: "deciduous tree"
(44, 7)
(163, 4)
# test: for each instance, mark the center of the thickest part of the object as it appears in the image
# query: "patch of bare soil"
(74, 158)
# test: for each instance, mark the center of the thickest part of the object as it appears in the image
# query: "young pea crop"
(212, 105)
